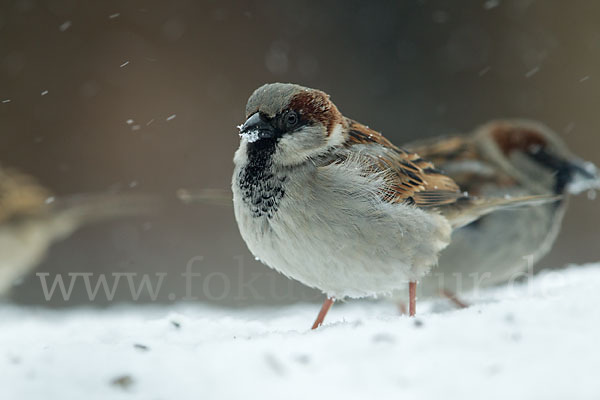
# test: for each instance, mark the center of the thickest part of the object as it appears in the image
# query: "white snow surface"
(534, 341)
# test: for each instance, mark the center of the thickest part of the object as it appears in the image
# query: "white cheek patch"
(336, 138)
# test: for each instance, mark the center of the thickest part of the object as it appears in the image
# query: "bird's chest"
(260, 190)
(258, 187)
(271, 206)
(259, 194)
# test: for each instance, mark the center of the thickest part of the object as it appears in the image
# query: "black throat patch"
(261, 189)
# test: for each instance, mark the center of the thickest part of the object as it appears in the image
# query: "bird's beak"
(256, 128)
(585, 176)
(572, 174)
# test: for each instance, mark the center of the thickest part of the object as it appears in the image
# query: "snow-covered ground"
(535, 341)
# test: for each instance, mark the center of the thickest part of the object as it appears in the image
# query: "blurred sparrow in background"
(503, 158)
(335, 205)
(31, 219)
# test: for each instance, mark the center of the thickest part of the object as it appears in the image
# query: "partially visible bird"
(333, 204)
(32, 219)
(503, 158)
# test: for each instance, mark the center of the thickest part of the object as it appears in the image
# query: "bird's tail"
(468, 209)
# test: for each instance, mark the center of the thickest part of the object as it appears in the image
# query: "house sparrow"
(333, 204)
(31, 219)
(505, 157)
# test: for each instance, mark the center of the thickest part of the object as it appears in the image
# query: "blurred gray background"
(410, 69)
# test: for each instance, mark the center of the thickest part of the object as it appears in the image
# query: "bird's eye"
(291, 119)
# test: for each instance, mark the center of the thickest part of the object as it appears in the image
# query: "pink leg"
(412, 299)
(324, 309)
(454, 299)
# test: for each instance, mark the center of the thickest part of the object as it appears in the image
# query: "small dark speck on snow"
(302, 359)
(142, 347)
(14, 360)
(383, 338)
(275, 364)
(122, 381)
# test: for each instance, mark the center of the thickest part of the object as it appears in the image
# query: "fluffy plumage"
(333, 204)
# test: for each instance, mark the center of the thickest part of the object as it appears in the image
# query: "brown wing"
(445, 149)
(20, 194)
(460, 157)
(412, 179)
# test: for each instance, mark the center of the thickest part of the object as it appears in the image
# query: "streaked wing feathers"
(412, 179)
(461, 159)
(441, 150)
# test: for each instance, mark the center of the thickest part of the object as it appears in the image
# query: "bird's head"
(537, 155)
(290, 123)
